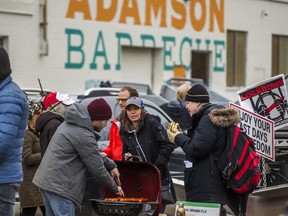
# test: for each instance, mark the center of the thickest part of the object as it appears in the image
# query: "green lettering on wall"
(119, 37)
(219, 49)
(74, 48)
(167, 54)
(100, 53)
(207, 42)
(147, 38)
(198, 42)
(189, 41)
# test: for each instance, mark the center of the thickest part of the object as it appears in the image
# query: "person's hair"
(127, 123)
(182, 90)
(133, 92)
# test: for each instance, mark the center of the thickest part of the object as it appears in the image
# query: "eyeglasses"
(121, 99)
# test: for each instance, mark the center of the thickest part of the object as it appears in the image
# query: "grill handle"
(138, 158)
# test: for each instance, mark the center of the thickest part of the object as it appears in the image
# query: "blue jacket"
(13, 122)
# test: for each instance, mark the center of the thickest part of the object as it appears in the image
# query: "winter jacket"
(13, 122)
(203, 142)
(176, 109)
(150, 142)
(114, 149)
(46, 125)
(71, 153)
(29, 194)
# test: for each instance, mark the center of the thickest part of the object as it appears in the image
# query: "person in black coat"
(203, 142)
(176, 108)
(54, 106)
(144, 136)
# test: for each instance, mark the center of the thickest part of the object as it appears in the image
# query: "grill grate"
(106, 208)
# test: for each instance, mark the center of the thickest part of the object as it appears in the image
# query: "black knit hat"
(5, 69)
(197, 93)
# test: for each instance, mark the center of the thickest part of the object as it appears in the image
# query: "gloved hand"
(172, 135)
(173, 130)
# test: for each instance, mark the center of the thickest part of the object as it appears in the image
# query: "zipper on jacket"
(139, 146)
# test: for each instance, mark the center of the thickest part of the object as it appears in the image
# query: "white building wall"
(247, 15)
(22, 29)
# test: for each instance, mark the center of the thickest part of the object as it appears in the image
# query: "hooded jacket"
(46, 125)
(71, 153)
(176, 109)
(205, 140)
(13, 121)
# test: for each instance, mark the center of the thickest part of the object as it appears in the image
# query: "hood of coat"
(224, 117)
(45, 118)
(146, 118)
(78, 114)
(175, 107)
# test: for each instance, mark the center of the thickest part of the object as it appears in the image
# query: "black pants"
(237, 202)
(32, 211)
(223, 211)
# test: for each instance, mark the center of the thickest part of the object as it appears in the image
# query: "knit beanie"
(5, 69)
(99, 110)
(34, 107)
(197, 93)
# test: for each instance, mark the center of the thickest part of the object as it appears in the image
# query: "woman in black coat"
(144, 136)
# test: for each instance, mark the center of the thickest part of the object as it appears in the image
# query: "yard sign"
(267, 98)
(260, 129)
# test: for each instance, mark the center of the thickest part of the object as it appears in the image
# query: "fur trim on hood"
(224, 117)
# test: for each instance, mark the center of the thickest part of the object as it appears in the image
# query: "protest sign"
(267, 98)
(260, 129)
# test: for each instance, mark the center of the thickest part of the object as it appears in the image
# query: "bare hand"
(115, 174)
(127, 156)
(120, 192)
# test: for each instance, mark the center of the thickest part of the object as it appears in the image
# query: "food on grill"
(124, 199)
(173, 126)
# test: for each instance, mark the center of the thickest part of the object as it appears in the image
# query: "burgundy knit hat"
(99, 110)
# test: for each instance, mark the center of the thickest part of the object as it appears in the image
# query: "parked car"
(143, 90)
(35, 92)
(169, 90)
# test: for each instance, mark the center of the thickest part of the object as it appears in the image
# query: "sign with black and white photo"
(267, 98)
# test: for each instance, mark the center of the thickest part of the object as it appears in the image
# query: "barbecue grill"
(139, 180)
